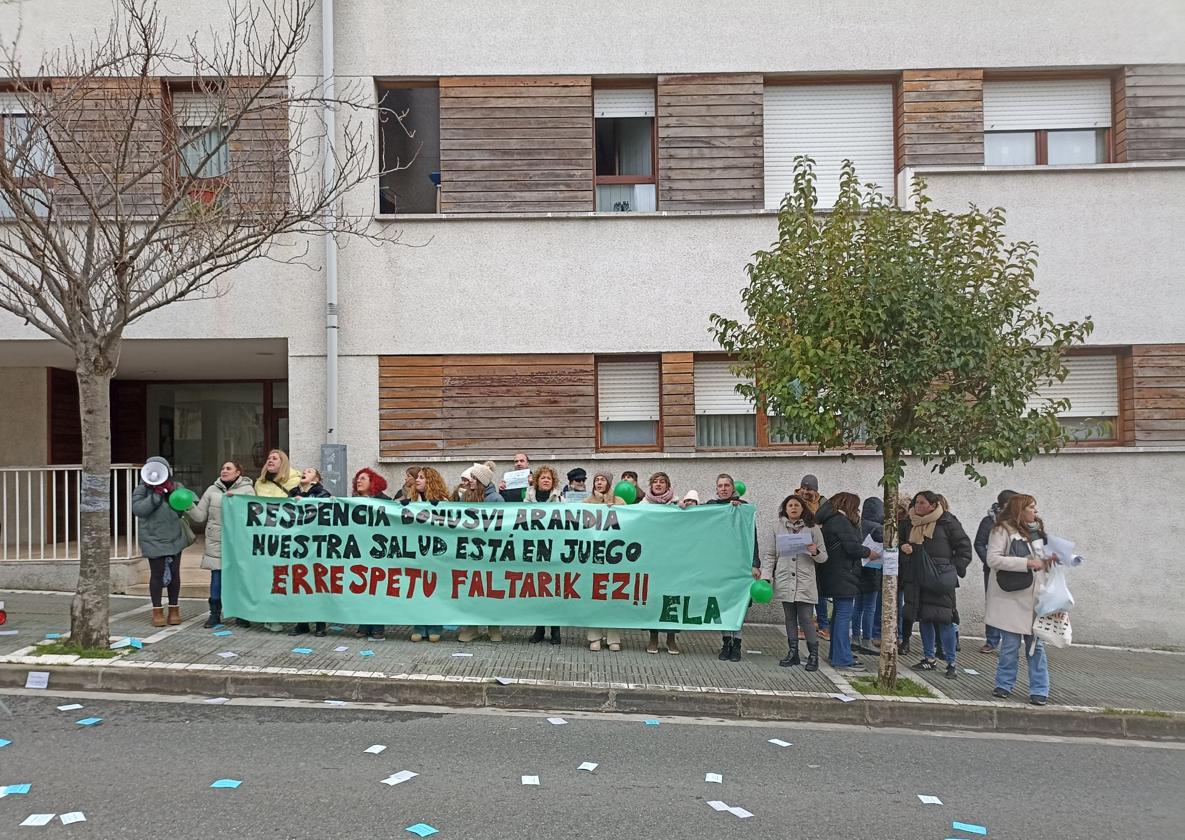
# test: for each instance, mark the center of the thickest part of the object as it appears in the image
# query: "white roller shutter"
(10, 104)
(197, 110)
(829, 123)
(1092, 387)
(1046, 104)
(631, 102)
(715, 390)
(627, 391)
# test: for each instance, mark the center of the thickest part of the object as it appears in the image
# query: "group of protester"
(829, 586)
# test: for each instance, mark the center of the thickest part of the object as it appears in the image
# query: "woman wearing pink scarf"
(660, 492)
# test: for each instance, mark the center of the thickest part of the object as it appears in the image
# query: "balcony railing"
(40, 512)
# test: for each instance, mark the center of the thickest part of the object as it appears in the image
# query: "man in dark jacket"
(726, 494)
(981, 540)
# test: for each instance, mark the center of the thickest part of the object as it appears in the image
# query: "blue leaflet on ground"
(54, 635)
(224, 633)
(421, 829)
(226, 783)
(653, 722)
(4, 742)
(9, 790)
(302, 650)
(91, 721)
(970, 828)
(366, 653)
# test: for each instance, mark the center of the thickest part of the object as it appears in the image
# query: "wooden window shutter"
(516, 144)
(1149, 102)
(1032, 104)
(678, 402)
(940, 117)
(829, 123)
(710, 141)
(486, 406)
(1158, 394)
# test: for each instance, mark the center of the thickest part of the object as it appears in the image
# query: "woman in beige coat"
(208, 512)
(793, 576)
(602, 494)
(1015, 556)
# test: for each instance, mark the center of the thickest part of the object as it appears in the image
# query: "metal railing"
(40, 517)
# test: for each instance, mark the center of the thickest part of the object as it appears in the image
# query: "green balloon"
(761, 592)
(740, 487)
(626, 491)
(181, 499)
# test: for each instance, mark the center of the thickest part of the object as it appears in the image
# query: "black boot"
(299, 629)
(555, 636)
(725, 649)
(537, 636)
(812, 659)
(792, 657)
(215, 613)
(734, 653)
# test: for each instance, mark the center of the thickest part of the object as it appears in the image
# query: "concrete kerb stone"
(403, 690)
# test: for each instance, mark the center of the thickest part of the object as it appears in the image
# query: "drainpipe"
(329, 173)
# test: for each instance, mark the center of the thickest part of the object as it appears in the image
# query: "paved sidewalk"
(1084, 678)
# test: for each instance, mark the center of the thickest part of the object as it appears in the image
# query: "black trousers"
(156, 583)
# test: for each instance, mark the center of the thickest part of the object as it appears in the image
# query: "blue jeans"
(215, 584)
(865, 615)
(1008, 661)
(426, 630)
(930, 631)
(876, 618)
(841, 632)
(992, 633)
(821, 613)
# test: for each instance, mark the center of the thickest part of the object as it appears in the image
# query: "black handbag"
(930, 576)
(1016, 581)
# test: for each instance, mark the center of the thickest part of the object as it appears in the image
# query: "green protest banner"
(359, 560)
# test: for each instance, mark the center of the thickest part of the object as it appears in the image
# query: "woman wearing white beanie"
(482, 489)
(602, 494)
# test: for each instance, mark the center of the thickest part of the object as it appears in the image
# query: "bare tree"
(137, 171)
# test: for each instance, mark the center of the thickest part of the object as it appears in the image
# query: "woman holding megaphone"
(158, 502)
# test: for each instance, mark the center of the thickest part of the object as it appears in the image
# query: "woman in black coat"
(933, 605)
(839, 577)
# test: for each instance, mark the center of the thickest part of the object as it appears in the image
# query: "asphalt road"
(146, 770)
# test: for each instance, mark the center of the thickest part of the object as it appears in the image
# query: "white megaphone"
(155, 472)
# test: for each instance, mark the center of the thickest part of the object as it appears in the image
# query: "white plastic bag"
(1054, 629)
(1055, 593)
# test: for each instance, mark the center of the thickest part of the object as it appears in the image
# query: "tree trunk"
(90, 610)
(887, 666)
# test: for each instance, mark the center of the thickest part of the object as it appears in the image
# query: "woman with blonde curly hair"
(427, 486)
(545, 487)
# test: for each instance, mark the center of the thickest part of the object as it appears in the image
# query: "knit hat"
(467, 474)
(577, 474)
(691, 495)
(608, 477)
(809, 482)
(483, 473)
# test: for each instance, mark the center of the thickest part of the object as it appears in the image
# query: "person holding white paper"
(515, 494)
(545, 488)
(792, 549)
(1018, 572)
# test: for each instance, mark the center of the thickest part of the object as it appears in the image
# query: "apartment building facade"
(583, 187)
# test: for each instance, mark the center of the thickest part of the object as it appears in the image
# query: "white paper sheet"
(557, 721)
(72, 817)
(69, 707)
(38, 679)
(376, 749)
(778, 742)
(717, 805)
(889, 563)
(714, 777)
(399, 778)
(740, 812)
(589, 766)
(516, 479)
(929, 800)
(530, 780)
(789, 545)
(38, 819)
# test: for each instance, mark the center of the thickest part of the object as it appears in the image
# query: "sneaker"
(1038, 699)
(434, 637)
(615, 647)
(987, 649)
(925, 665)
(468, 634)
(652, 644)
(595, 646)
(376, 637)
(495, 634)
(416, 637)
(1001, 693)
(857, 667)
(672, 645)
(952, 673)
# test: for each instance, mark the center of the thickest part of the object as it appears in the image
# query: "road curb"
(420, 690)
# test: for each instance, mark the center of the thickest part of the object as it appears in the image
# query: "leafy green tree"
(913, 331)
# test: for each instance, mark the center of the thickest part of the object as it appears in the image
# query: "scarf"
(226, 485)
(796, 526)
(923, 526)
(595, 498)
(662, 499)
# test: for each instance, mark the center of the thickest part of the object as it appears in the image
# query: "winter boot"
(734, 653)
(215, 613)
(812, 659)
(556, 638)
(537, 636)
(158, 616)
(652, 644)
(174, 614)
(792, 658)
(725, 649)
(672, 644)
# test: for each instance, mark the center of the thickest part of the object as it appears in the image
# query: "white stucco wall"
(428, 37)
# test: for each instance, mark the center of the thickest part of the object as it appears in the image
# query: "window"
(723, 418)
(27, 152)
(201, 136)
(1092, 387)
(628, 403)
(625, 150)
(829, 123)
(409, 135)
(1054, 121)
